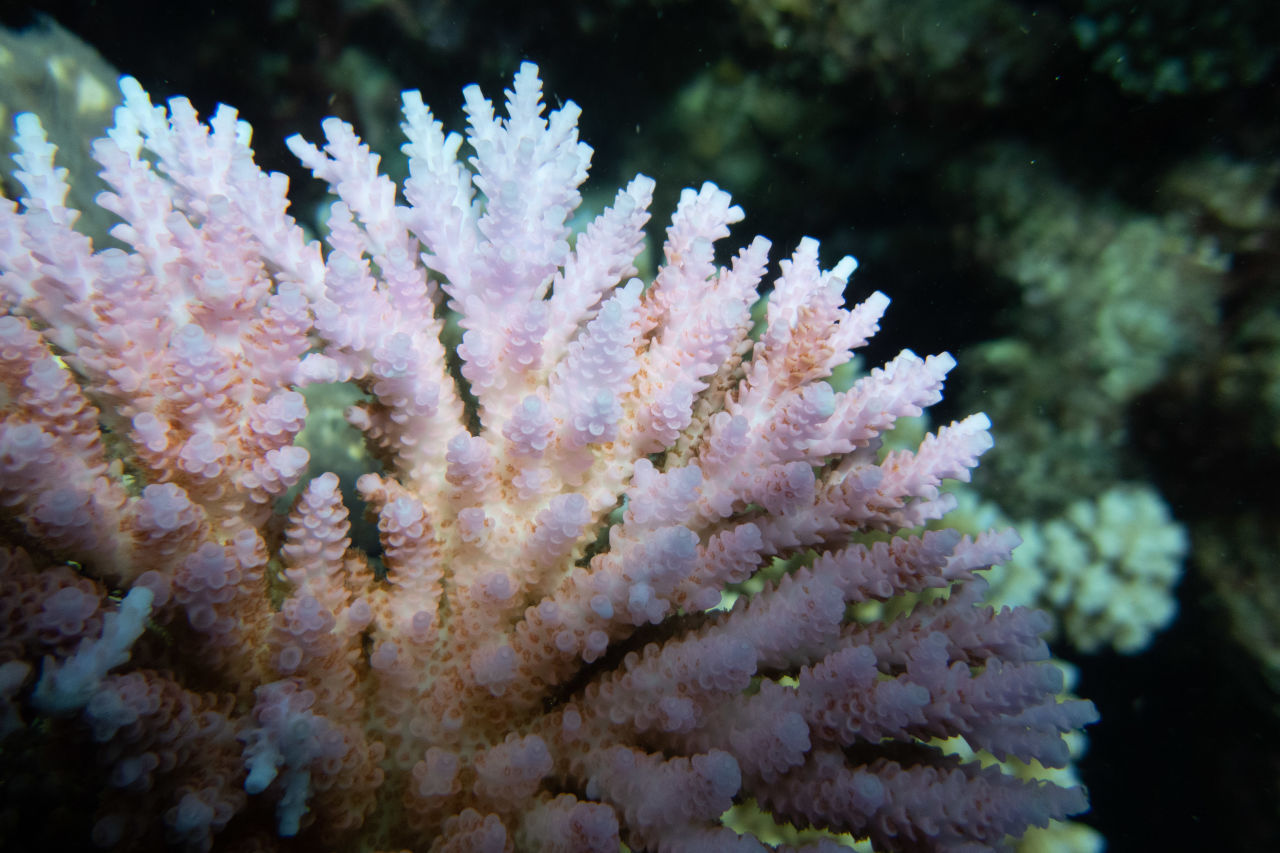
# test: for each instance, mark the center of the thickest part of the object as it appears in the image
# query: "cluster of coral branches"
(539, 655)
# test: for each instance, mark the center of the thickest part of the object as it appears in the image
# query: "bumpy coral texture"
(538, 657)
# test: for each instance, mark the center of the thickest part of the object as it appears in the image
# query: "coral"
(1105, 569)
(1118, 307)
(1177, 48)
(977, 50)
(46, 68)
(536, 656)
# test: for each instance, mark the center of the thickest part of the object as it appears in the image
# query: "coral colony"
(541, 655)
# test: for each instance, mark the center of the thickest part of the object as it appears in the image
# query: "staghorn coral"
(536, 658)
